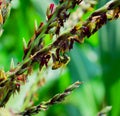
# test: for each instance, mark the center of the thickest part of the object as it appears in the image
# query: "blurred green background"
(96, 63)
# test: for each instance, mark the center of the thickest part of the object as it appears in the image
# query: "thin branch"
(58, 98)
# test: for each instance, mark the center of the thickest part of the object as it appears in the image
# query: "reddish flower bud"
(52, 7)
(22, 78)
(17, 85)
(0, 3)
(19, 78)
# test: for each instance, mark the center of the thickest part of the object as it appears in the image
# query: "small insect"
(61, 62)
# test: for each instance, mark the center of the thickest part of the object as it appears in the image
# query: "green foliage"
(96, 63)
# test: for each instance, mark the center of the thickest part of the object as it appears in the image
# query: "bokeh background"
(96, 63)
